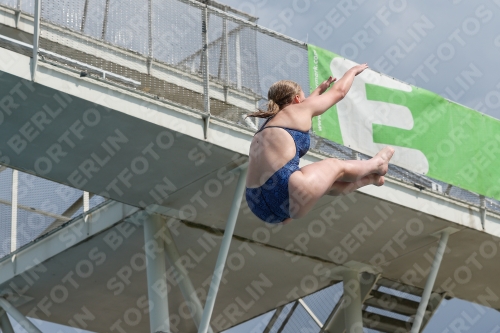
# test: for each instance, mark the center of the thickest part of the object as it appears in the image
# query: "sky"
(431, 44)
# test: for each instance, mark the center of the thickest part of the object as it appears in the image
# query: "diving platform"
(164, 162)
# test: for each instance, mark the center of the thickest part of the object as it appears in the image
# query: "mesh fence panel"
(9, 3)
(68, 13)
(28, 7)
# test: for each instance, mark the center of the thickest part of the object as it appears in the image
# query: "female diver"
(277, 189)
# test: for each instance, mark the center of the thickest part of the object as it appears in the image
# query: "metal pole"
(18, 13)
(155, 270)
(185, 284)
(150, 36)
(13, 228)
(274, 318)
(18, 316)
(429, 284)
(5, 324)
(36, 38)
(352, 302)
(105, 20)
(482, 210)
(238, 61)
(310, 312)
(224, 249)
(288, 316)
(205, 69)
(85, 13)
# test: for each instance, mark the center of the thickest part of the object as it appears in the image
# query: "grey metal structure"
(133, 77)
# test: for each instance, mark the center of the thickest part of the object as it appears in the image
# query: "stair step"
(384, 324)
(392, 303)
(400, 287)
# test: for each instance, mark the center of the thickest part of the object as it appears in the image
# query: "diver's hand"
(359, 68)
(326, 84)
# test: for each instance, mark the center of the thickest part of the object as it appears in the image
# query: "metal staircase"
(388, 307)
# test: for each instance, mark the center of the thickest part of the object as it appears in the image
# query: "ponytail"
(272, 110)
(280, 95)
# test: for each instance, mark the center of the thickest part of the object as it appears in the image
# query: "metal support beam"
(16, 206)
(205, 69)
(310, 312)
(18, 316)
(224, 249)
(273, 319)
(336, 321)
(5, 324)
(429, 284)
(155, 269)
(185, 284)
(288, 316)
(352, 302)
(13, 228)
(36, 38)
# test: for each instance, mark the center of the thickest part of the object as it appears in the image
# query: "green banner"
(431, 135)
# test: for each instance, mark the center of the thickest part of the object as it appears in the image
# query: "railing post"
(36, 38)
(238, 60)
(105, 20)
(482, 210)
(205, 69)
(225, 56)
(150, 36)
(84, 18)
(18, 13)
(13, 228)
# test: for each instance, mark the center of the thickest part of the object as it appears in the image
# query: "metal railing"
(36, 207)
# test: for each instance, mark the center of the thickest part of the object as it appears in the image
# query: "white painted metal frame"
(18, 316)
(429, 284)
(18, 13)
(310, 312)
(36, 38)
(205, 69)
(13, 222)
(25, 258)
(224, 249)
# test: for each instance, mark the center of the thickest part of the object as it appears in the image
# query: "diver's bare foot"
(383, 157)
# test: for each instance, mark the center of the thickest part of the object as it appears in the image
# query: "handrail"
(80, 64)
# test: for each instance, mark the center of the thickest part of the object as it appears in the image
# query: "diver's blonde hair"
(280, 95)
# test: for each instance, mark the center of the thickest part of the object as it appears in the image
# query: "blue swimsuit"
(270, 202)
